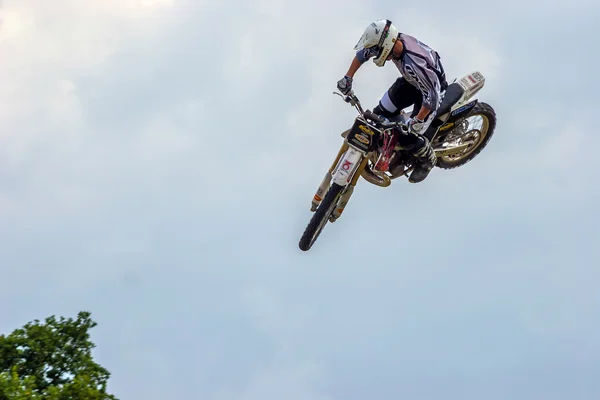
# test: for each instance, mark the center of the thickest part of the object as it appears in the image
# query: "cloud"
(157, 160)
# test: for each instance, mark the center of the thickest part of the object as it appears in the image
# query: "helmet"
(380, 35)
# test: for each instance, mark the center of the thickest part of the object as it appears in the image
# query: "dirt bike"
(370, 149)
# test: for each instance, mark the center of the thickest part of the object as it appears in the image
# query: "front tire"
(487, 113)
(320, 217)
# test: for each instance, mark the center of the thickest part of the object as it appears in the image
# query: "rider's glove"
(345, 85)
(415, 125)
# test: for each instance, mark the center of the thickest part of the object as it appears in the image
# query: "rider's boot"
(426, 160)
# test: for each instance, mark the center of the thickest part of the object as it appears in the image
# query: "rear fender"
(471, 83)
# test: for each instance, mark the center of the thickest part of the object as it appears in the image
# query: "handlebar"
(381, 122)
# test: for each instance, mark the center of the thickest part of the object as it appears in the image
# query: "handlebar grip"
(382, 122)
(370, 115)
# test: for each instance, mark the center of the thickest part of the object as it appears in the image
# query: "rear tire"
(489, 116)
(320, 217)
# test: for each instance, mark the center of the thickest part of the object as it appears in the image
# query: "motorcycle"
(371, 150)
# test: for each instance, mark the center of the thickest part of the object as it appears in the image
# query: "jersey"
(420, 66)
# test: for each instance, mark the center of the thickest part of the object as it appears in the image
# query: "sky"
(157, 162)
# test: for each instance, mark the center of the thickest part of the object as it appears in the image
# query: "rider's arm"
(354, 66)
(360, 58)
(423, 112)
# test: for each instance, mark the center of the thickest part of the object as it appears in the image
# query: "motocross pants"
(398, 97)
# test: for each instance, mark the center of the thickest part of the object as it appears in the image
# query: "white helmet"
(382, 35)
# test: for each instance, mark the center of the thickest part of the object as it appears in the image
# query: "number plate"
(361, 135)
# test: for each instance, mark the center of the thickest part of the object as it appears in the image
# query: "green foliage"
(52, 361)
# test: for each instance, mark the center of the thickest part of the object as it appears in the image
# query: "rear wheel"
(320, 217)
(465, 132)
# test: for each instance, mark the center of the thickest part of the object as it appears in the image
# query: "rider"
(423, 83)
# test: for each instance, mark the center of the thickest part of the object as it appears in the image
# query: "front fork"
(326, 183)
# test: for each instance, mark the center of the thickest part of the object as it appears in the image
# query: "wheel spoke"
(465, 133)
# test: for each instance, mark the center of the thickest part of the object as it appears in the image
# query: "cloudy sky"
(157, 161)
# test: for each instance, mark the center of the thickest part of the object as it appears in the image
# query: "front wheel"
(465, 133)
(320, 217)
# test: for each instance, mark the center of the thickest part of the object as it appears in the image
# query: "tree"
(52, 361)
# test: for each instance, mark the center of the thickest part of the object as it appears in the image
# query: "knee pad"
(380, 110)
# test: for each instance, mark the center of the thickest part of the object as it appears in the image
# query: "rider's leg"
(424, 153)
(399, 96)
